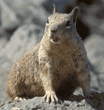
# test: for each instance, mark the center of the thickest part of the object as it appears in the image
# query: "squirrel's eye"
(67, 23)
(68, 26)
(47, 20)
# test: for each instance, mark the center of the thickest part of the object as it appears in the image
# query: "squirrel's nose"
(53, 29)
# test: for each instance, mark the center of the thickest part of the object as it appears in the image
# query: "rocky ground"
(21, 27)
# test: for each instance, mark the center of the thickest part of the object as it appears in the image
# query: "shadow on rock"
(97, 101)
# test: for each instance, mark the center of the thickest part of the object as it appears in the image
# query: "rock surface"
(76, 102)
(21, 27)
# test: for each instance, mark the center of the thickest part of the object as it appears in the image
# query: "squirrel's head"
(60, 28)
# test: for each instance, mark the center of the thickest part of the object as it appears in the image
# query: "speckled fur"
(52, 69)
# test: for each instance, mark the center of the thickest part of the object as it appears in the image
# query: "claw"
(15, 108)
(19, 98)
(50, 95)
(45, 97)
(52, 98)
(48, 98)
(56, 98)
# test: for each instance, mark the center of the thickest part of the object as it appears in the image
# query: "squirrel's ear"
(54, 9)
(74, 14)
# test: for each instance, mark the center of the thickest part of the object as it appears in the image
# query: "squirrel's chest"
(64, 66)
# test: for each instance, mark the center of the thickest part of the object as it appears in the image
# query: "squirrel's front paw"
(50, 95)
(19, 98)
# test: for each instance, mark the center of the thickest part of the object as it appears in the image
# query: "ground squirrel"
(56, 66)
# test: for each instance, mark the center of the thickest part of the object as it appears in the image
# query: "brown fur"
(52, 68)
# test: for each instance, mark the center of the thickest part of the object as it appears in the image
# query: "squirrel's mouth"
(55, 40)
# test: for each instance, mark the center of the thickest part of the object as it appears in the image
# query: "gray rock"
(8, 17)
(94, 45)
(61, 5)
(29, 11)
(22, 40)
(38, 103)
